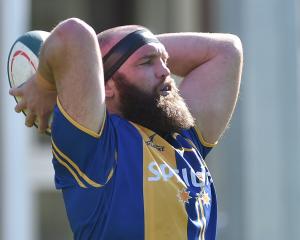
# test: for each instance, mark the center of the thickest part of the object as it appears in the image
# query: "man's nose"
(163, 71)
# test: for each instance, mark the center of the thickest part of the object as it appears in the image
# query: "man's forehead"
(152, 48)
(136, 41)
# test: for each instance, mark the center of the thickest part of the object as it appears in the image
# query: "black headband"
(119, 53)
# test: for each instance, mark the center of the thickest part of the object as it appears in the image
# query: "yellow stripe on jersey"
(69, 169)
(202, 140)
(202, 220)
(78, 125)
(161, 202)
(80, 173)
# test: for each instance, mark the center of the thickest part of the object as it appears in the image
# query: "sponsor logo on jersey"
(150, 142)
(163, 172)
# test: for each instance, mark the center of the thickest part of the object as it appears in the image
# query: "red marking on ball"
(20, 53)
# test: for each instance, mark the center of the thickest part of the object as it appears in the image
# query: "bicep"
(81, 95)
(81, 89)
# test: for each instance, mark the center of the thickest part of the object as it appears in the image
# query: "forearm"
(189, 50)
(50, 58)
(44, 73)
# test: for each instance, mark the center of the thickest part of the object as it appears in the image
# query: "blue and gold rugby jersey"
(129, 183)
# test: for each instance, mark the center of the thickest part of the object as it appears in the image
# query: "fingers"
(30, 118)
(20, 106)
(43, 123)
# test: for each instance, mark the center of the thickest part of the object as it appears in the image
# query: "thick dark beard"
(161, 114)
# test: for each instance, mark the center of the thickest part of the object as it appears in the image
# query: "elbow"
(74, 30)
(70, 34)
(232, 48)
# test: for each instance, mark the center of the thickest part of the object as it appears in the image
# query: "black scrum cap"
(119, 53)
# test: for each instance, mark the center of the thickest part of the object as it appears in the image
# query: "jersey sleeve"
(197, 139)
(81, 158)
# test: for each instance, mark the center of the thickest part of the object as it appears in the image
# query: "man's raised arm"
(71, 67)
(211, 65)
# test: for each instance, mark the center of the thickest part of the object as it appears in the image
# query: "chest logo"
(164, 172)
(150, 142)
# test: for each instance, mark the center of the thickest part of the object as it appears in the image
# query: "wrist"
(44, 83)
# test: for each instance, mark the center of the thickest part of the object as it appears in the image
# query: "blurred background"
(255, 166)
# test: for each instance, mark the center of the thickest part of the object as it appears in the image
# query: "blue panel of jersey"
(95, 213)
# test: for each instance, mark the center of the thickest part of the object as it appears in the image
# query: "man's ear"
(110, 89)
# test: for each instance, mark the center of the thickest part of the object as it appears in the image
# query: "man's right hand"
(36, 100)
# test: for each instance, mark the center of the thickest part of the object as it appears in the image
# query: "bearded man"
(128, 145)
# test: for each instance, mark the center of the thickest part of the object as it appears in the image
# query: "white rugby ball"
(23, 61)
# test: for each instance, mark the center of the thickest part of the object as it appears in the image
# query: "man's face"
(148, 95)
(147, 67)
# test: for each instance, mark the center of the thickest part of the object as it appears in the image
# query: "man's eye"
(147, 62)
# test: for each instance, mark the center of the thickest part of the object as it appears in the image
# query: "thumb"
(16, 91)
